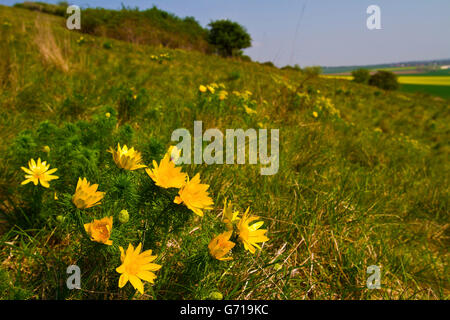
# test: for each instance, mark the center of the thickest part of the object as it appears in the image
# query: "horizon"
(323, 33)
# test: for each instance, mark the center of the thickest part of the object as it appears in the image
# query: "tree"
(361, 75)
(228, 37)
(384, 80)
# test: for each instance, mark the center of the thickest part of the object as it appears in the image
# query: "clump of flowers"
(247, 232)
(38, 172)
(161, 57)
(136, 266)
(86, 195)
(155, 213)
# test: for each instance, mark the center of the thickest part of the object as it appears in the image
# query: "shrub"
(312, 71)
(384, 80)
(361, 75)
(228, 37)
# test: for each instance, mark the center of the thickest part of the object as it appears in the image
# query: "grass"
(363, 183)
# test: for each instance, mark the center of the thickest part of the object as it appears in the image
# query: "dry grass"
(49, 49)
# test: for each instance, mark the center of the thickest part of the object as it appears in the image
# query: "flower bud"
(124, 216)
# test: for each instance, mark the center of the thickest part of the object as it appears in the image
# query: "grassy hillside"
(152, 26)
(363, 177)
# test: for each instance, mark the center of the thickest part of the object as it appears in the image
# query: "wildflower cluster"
(248, 232)
(161, 57)
(117, 202)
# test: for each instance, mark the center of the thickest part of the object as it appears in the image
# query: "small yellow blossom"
(202, 88)
(221, 245)
(38, 172)
(107, 114)
(195, 196)
(86, 195)
(315, 114)
(136, 266)
(100, 230)
(250, 235)
(46, 149)
(128, 159)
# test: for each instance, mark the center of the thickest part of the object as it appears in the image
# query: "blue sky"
(320, 32)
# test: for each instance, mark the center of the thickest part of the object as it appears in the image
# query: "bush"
(361, 75)
(384, 80)
(313, 71)
(228, 37)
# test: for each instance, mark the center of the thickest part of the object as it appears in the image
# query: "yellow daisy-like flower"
(136, 266)
(221, 245)
(194, 196)
(315, 114)
(100, 230)
(249, 110)
(128, 159)
(86, 195)
(202, 88)
(228, 216)
(250, 235)
(223, 95)
(167, 175)
(211, 89)
(38, 172)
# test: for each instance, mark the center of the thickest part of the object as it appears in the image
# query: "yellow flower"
(100, 230)
(46, 149)
(228, 216)
(166, 175)
(221, 245)
(108, 115)
(128, 159)
(194, 196)
(38, 172)
(223, 95)
(251, 235)
(136, 266)
(86, 195)
(211, 89)
(202, 88)
(315, 114)
(249, 110)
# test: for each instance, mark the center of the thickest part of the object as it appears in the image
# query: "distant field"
(428, 80)
(435, 83)
(441, 91)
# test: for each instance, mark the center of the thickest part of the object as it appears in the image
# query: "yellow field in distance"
(425, 80)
